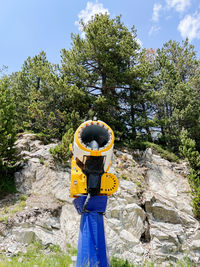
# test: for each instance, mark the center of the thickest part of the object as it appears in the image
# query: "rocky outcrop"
(149, 218)
(167, 201)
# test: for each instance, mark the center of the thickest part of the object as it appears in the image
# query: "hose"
(86, 202)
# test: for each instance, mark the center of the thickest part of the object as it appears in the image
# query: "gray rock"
(166, 214)
(13, 248)
(153, 221)
(24, 236)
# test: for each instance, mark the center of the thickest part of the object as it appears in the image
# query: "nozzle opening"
(95, 133)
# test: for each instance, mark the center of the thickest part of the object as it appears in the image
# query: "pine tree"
(175, 97)
(99, 65)
(189, 151)
(44, 101)
(7, 136)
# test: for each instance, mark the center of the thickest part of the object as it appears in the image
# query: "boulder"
(149, 218)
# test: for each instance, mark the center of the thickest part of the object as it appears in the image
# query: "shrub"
(188, 150)
(61, 152)
(7, 138)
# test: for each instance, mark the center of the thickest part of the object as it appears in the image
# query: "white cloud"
(154, 29)
(91, 10)
(190, 26)
(178, 5)
(156, 9)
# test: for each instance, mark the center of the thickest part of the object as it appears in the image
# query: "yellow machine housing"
(82, 150)
(109, 182)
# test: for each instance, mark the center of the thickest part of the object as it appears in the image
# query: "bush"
(61, 152)
(7, 183)
(188, 150)
(7, 138)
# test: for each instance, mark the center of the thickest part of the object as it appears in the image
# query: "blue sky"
(30, 26)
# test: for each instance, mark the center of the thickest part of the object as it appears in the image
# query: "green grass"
(9, 212)
(45, 138)
(23, 197)
(185, 262)
(42, 161)
(115, 262)
(4, 219)
(72, 251)
(143, 145)
(57, 260)
(162, 152)
(124, 177)
(35, 256)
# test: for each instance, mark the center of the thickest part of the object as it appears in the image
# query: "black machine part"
(93, 183)
(94, 169)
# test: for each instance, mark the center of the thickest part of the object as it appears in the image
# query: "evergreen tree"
(99, 65)
(189, 151)
(44, 101)
(136, 96)
(35, 93)
(175, 98)
(7, 135)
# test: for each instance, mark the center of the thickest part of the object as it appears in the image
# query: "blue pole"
(92, 250)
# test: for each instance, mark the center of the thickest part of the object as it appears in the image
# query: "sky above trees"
(28, 27)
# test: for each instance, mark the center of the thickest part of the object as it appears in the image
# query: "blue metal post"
(92, 250)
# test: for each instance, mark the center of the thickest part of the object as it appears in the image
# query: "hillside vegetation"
(147, 96)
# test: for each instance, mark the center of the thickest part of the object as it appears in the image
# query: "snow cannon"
(92, 151)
